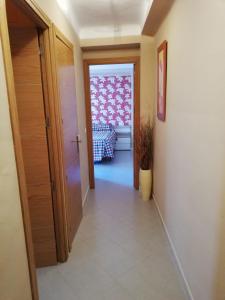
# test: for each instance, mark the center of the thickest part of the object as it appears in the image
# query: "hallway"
(121, 249)
(120, 253)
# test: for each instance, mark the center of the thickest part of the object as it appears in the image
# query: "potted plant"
(145, 152)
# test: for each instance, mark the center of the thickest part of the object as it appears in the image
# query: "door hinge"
(53, 186)
(47, 122)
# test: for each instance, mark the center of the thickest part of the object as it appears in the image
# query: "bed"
(104, 141)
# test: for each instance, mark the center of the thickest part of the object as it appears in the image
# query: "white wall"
(111, 70)
(189, 167)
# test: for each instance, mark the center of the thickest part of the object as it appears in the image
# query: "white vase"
(145, 183)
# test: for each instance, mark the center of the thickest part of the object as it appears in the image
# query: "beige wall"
(147, 61)
(111, 41)
(14, 274)
(14, 282)
(189, 168)
(110, 53)
(147, 76)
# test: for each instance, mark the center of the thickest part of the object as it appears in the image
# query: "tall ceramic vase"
(145, 184)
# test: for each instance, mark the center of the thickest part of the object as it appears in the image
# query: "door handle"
(77, 141)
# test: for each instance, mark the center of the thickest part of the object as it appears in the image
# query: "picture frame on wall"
(161, 80)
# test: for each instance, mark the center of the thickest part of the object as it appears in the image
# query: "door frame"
(54, 136)
(136, 118)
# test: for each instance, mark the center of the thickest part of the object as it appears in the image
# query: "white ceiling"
(117, 69)
(107, 18)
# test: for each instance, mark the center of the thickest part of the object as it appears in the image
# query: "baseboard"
(176, 258)
(84, 201)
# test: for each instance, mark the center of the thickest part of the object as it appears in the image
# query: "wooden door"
(67, 94)
(30, 102)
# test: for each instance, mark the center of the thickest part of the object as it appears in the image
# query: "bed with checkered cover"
(104, 141)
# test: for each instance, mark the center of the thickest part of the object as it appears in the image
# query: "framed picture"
(161, 82)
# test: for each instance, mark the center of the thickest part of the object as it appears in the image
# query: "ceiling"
(108, 18)
(110, 69)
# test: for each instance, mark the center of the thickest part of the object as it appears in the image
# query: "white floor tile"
(120, 252)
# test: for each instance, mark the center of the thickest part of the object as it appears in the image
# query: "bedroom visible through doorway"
(112, 119)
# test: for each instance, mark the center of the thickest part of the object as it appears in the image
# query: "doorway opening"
(111, 96)
(113, 118)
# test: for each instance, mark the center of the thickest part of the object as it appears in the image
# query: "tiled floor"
(120, 252)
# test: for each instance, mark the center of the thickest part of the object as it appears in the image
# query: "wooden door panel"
(37, 136)
(31, 111)
(39, 205)
(67, 93)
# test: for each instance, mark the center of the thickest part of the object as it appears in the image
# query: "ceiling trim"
(157, 14)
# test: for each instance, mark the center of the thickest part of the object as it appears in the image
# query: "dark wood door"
(67, 93)
(30, 104)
